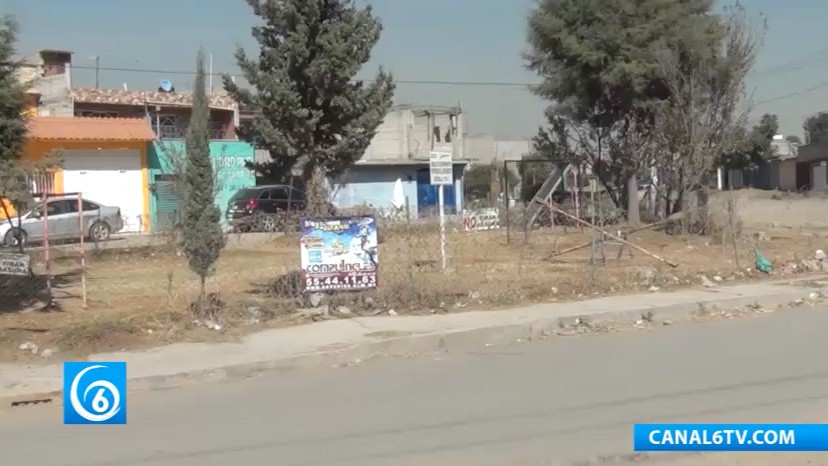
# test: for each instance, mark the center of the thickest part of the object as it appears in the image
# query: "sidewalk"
(342, 341)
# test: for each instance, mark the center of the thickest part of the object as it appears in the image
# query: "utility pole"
(97, 70)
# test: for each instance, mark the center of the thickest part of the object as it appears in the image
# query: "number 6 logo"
(99, 401)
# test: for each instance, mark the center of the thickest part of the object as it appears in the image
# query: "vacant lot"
(140, 295)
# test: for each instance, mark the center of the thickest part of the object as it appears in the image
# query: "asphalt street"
(531, 403)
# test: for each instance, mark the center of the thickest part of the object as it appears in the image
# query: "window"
(63, 206)
(297, 195)
(265, 195)
(88, 206)
(52, 208)
(97, 114)
(68, 206)
(167, 127)
(218, 130)
(280, 194)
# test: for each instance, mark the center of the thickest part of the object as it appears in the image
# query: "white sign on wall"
(14, 264)
(441, 169)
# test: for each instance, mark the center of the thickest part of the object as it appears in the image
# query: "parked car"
(62, 222)
(265, 208)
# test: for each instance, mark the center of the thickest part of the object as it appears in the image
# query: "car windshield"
(244, 194)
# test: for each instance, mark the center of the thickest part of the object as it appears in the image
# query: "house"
(71, 120)
(778, 172)
(812, 167)
(104, 159)
(48, 73)
(400, 151)
(168, 114)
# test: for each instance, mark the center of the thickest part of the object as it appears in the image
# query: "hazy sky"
(424, 40)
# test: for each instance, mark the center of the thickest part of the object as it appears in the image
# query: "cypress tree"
(202, 239)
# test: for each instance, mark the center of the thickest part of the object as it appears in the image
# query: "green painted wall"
(229, 159)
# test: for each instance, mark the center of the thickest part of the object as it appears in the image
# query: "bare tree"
(706, 113)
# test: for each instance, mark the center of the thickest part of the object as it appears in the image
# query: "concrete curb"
(432, 342)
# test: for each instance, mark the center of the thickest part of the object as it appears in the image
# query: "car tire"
(11, 241)
(99, 231)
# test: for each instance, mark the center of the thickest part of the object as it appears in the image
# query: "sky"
(423, 40)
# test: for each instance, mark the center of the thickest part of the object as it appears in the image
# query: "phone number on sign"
(340, 282)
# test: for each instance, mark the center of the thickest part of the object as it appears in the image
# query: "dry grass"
(140, 297)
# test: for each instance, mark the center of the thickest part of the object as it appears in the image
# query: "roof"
(90, 129)
(436, 109)
(67, 52)
(141, 98)
(812, 153)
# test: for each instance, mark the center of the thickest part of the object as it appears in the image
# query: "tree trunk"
(201, 305)
(633, 208)
(317, 191)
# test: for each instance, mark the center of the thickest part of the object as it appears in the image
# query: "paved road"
(524, 404)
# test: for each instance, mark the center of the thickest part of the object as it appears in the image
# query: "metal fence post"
(82, 257)
(45, 215)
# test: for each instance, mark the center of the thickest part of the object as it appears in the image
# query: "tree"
(600, 70)
(14, 171)
(793, 139)
(704, 117)
(202, 239)
(310, 113)
(478, 180)
(755, 146)
(816, 128)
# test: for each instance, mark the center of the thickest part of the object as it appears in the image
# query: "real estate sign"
(338, 253)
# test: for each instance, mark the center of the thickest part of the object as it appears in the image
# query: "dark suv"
(260, 207)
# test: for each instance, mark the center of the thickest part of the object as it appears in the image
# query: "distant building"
(400, 150)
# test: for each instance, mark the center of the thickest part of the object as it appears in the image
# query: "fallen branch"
(648, 226)
(615, 237)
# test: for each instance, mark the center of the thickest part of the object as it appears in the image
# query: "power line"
(191, 73)
(793, 65)
(817, 87)
(412, 81)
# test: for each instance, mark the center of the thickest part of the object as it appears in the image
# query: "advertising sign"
(338, 253)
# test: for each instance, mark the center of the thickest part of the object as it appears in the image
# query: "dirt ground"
(773, 209)
(140, 296)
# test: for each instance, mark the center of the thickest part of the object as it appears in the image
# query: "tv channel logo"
(94, 392)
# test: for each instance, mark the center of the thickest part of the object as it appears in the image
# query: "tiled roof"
(90, 129)
(121, 97)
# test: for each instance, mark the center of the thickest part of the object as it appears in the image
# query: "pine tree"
(202, 239)
(12, 122)
(310, 112)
